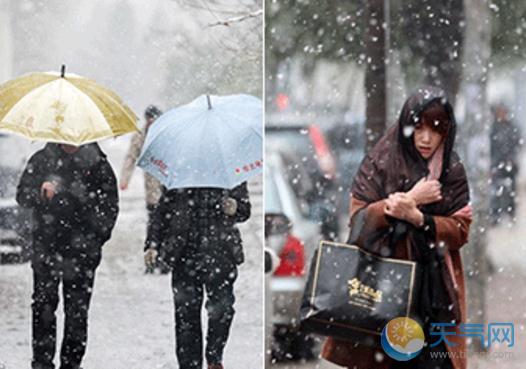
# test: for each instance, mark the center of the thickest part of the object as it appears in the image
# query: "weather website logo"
(402, 339)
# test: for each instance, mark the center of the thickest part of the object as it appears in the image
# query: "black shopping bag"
(351, 294)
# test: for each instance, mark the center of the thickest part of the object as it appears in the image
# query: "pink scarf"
(435, 169)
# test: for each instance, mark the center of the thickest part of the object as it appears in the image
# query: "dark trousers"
(503, 193)
(77, 283)
(190, 282)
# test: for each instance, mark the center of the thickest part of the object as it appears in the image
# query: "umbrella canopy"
(215, 141)
(68, 109)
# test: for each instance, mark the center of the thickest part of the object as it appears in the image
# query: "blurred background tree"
(165, 51)
(425, 37)
(229, 59)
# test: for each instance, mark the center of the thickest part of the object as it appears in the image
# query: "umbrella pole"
(209, 102)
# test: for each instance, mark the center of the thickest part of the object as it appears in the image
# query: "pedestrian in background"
(195, 231)
(152, 186)
(72, 192)
(506, 143)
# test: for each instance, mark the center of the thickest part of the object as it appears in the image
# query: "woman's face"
(426, 140)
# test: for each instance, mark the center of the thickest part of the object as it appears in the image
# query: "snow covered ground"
(131, 316)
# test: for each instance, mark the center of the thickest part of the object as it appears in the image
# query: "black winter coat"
(190, 222)
(79, 219)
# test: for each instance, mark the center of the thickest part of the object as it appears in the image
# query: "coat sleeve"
(374, 213)
(131, 157)
(366, 220)
(240, 194)
(103, 206)
(452, 230)
(28, 189)
(158, 223)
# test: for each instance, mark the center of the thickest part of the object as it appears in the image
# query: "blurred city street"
(131, 316)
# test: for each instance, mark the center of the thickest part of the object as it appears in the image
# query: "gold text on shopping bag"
(363, 295)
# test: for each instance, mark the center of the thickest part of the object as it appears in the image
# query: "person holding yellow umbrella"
(71, 190)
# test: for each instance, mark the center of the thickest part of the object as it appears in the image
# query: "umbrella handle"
(209, 102)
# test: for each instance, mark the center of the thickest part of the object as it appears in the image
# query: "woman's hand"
(426, 192)
(402, 206)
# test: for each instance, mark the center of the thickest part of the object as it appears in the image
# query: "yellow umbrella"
(64, 109)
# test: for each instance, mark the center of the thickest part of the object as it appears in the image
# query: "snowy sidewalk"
(506, 295)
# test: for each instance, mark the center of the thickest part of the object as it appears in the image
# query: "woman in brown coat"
(410, 200)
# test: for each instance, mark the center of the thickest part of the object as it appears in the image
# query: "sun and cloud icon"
(402, 338)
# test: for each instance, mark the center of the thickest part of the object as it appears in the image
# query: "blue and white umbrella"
(215, 141)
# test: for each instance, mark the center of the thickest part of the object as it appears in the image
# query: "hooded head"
(395, 163)
(426, 131)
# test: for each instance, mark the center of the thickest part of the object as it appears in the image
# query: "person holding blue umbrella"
(203, 154)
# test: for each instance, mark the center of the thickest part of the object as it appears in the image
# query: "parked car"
(305, 148)
(293, 237)
(308, 141)
(347, 141)
(14, 220)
